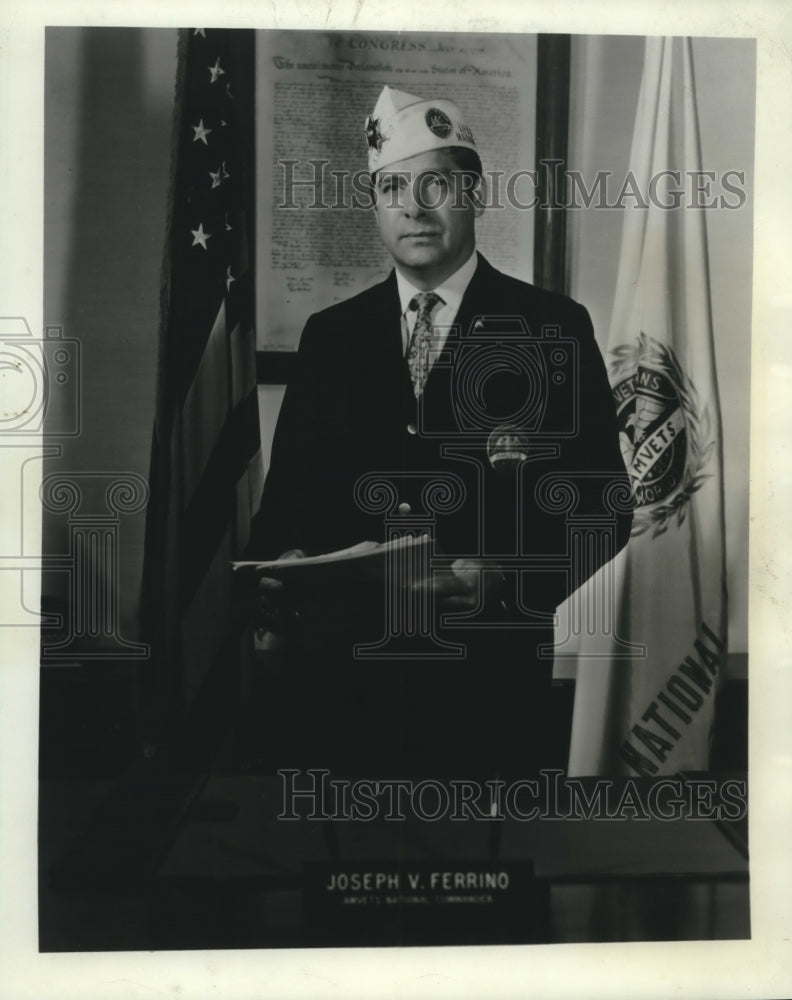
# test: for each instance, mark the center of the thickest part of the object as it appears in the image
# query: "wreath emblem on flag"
(665, 436)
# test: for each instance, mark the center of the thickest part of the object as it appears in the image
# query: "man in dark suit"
(454, 400)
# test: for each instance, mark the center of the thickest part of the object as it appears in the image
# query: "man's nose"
(412, 203)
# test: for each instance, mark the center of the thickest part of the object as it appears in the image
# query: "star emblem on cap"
(374, 136)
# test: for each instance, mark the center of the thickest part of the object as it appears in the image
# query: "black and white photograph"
(383, 491)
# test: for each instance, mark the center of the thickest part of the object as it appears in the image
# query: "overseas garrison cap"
(403, 125)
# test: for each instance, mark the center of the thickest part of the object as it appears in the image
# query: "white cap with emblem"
(403, 125)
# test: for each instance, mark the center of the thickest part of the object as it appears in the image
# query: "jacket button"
(404, 508)
(412, 429)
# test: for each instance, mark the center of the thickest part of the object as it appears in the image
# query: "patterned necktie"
(420, 343)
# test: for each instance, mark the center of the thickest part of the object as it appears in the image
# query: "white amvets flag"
(652, 714)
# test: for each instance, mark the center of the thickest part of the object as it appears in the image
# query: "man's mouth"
(421, 235)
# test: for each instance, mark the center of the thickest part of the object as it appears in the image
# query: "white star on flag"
(200, 236)
(201, 132)
(216, 71)
(226, 174)
(230, 279)
(201, 31)
(217, 178)
(227, 223)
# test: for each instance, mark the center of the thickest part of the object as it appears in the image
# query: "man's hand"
(317, 612)
(459, 588)
(273, 613)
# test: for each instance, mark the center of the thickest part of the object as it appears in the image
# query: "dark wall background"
(108, 116)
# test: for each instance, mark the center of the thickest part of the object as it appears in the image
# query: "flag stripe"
(214, 501)
(206, 406)
(209, 604)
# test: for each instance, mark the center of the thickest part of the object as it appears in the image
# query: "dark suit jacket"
(520, 371)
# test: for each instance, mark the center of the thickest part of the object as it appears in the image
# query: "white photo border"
(759, 967)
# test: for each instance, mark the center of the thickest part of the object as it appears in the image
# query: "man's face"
(425, 218)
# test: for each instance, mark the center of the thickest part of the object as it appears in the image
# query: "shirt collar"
(451, 290)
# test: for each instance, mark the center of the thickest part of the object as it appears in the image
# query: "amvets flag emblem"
(666, 439)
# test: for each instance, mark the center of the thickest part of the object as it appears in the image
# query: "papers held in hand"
(364, 561)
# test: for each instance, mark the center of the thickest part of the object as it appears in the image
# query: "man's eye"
(389, 183)
(433, 187)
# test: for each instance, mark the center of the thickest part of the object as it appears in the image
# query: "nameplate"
(423, 902)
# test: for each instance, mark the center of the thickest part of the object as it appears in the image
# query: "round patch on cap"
(438, 122)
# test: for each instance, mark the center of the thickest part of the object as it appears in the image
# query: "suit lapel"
(377, 339)
(375, 361)
(481, 296)
(377, 354)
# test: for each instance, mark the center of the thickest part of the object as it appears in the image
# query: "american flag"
(206, 469)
